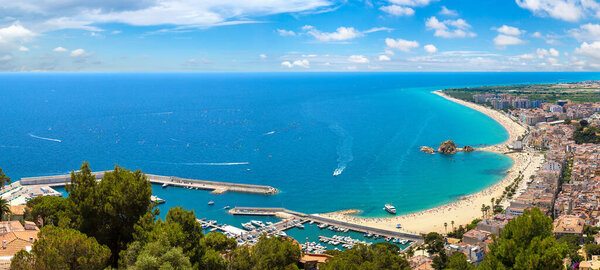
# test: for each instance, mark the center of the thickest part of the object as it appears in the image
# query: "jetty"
(214, 186)
(294, 215)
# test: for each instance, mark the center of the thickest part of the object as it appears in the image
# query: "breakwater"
(215, 186)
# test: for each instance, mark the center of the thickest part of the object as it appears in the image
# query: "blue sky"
(299, 35)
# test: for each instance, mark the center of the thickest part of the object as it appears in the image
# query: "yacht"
(226, 207)
(248, 226)
(390, 209)
(257, 223)
(280, 233)
(299, 226)
(322, 226)
(211, 203)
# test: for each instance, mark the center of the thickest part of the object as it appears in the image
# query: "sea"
(291, 131)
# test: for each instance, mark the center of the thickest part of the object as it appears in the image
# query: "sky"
(299, 35)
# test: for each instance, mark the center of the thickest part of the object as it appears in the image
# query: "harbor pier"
(215, 186)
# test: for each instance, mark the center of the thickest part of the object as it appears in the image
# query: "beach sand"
(469, 207)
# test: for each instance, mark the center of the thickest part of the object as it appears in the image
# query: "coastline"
(468, 207)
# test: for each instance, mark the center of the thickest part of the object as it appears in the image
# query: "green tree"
(367, 257)
(109, 209)
(62, 248)
(51, 209)
(161, 254)
(458, 261)
(434, 242)
(4, 208)
(268, 253)
(440, 260)
(527, 242)
(3, 179)
(219, 242)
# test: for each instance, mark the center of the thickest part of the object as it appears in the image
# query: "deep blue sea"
(287, 130)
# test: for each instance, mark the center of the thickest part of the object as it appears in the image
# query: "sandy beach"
(469, 207)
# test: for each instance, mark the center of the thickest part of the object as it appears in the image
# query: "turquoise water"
(292, 131)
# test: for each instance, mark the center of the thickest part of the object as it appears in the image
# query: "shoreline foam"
(466, 209)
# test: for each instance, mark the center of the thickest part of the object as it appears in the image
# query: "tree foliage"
(3, 179)
(269, 253)
(109, 209)
(527, 242)
(62, 248)
(368, 257)
(434, 242)
(49, 208)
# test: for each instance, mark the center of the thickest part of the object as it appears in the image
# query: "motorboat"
(248, 226)
(211, 203)
(299, 226)
(257, 223)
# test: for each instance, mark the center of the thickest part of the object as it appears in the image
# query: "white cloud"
(358, 59)
(586, 32)
(553, 52)
(401, 44)
(298, 63)
(591, 50)
(504, 40)
(448, 12)
(384, 57)
(80, 53)
(537, 35)
(14, 35)
(341, 34)
(389, 52)
(527, 56)
(443, 29)
(509, 30)
(60, 49)
(6, 57)
(430, 48)
(285, 33)
(23, 49)
(412, 3)
(52, 15)
(378, 29)
(567, 10)
(398, 10)
(262, 56)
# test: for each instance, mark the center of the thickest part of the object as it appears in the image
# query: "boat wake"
(344, 148)
(214, 163)
(161, 113)
(44, 138)
(269, 133)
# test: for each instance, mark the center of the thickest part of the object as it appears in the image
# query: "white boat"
(226, 207)
(322, 226)
(165, 185)
(211, 203)
(299, 226)
(337, 172)
(269, 223)
(390, 209)
(248, 226)
(281, 234)
(257, 223)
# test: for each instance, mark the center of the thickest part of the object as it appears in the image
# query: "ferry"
(390, 209)
(211, 203)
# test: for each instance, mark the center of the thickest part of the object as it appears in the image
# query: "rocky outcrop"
(447, 147)
(427, 149)
(468, 149)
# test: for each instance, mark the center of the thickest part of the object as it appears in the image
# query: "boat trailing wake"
(44, 138)
(344, 148)
(269, 133)
(214, 163)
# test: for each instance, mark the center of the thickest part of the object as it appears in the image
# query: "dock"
(214, 186)
(285, 213)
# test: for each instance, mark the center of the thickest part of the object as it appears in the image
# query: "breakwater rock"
(428, 150)
(447, 147)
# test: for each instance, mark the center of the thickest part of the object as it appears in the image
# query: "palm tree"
(446, 227)
(4, 208)
(483, 211)
(3, 179)
(492, 200)
(452, 222)
(487, 210)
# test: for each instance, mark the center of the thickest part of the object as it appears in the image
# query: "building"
(420, 262)
(16, 237)
(475, 237)
(593, 264)
(312, 261)
(568, 225)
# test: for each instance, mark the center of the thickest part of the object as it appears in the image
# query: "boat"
(226, 207)
(269, 223)
(211, 202)
(280, 233)
(299, 226)
(257, 223)
(213, 229)
(322, 226)
(337, 172)
(248, 226)
(165, 185)
(390, 209)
